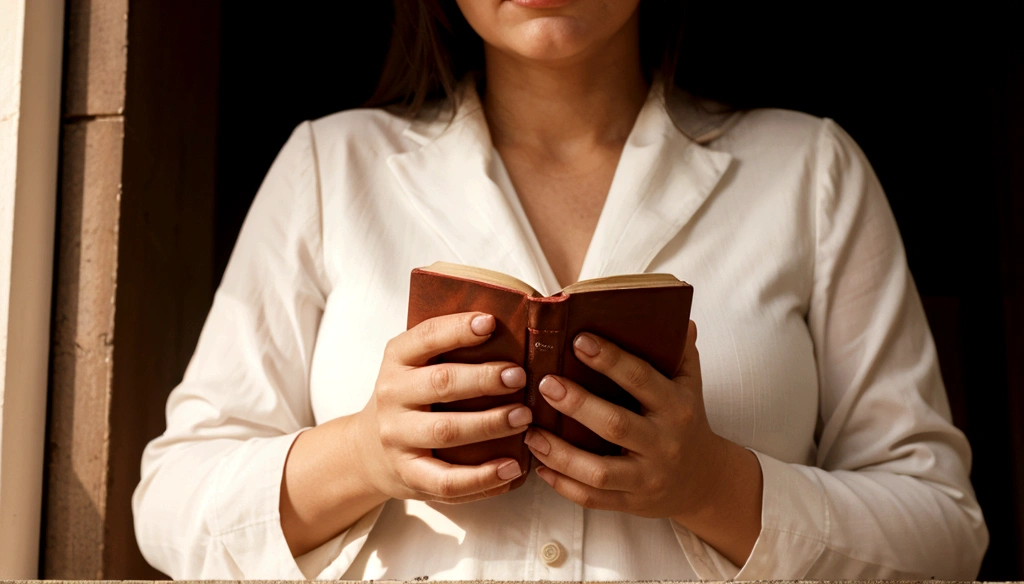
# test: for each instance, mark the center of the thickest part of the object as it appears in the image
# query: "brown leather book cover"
(645, 314)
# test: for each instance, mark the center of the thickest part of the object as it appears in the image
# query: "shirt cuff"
(248, 518)
(794, 530)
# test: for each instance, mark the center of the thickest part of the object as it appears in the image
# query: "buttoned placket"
(555, 549)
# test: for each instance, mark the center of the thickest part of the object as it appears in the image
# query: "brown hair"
(433, 47)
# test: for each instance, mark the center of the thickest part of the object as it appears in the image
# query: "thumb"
(691, 357)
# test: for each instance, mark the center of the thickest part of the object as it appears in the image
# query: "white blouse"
(815, 350)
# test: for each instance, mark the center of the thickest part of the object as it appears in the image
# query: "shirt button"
(551, 553)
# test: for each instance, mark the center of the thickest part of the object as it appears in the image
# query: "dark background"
(934, 98)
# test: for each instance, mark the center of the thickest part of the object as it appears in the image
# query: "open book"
(645, 314)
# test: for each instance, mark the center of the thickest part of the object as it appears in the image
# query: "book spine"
(545, 344)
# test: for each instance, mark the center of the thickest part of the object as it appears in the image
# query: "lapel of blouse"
(663, 178)
(451, 181)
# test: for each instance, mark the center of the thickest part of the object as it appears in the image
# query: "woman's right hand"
(338, 471)
(399, 431)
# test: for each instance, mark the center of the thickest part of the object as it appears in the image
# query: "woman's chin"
(551, 39)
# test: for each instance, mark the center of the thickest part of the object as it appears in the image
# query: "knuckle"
(390, 351)
(385, 391)
(445, 431)
(379, 397)
(499, 424)
(599, 477)
(388, 437)
(429, 331)
(673, 451)
(638, 374)
(586, 500)
(489, 379)
(446, 486)
(656, 486)
(617, 425)
(686, 414)
(441, 381)
(429, 328)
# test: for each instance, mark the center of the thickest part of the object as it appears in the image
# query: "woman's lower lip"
(541, 3)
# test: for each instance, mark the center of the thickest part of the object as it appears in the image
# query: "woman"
(810, 438)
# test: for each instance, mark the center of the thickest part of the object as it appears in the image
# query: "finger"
(614, 423)
(584, 495)
(448, 382)
(613, 473)
(691, 358)
(447, 429)
(638, 377)
(418, 345)
(477, 496)
(435, 479)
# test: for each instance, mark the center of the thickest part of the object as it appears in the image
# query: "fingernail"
(509, 470)
(550, 387)
(546, 474)
(482, 325)
(520, 417)
(513, 377)
(537, 442)
(587, 345)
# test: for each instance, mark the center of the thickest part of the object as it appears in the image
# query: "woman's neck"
(559, 107)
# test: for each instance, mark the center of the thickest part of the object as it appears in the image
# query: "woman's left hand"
(673, 464)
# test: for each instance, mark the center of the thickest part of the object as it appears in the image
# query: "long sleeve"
(890, 494)
(208, 502)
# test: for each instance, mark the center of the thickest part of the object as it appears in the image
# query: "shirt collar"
(701, 120)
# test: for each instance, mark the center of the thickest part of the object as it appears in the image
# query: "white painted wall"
(31, 43)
